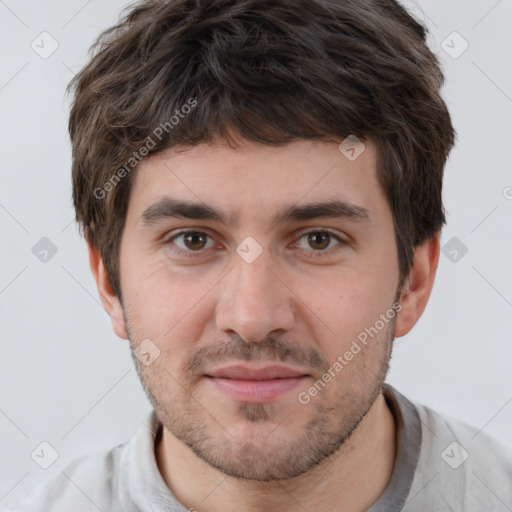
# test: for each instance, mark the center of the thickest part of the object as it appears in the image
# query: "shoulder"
(86, 483)
(460, 466)
(466, 442)
(104, 480)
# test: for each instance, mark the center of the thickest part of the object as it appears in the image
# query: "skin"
(301, 302)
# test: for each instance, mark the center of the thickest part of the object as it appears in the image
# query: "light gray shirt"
(441, 464)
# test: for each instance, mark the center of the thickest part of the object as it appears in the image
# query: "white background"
(68, 380)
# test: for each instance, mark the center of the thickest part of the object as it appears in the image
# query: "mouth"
(251, 384)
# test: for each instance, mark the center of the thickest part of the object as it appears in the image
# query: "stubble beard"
(334, 420)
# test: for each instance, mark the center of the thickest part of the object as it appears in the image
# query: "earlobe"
(108, 297)
(418, 285)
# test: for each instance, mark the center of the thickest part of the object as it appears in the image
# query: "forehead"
(257, 181)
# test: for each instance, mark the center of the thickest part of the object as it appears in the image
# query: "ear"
(418, 285)
(108, 297)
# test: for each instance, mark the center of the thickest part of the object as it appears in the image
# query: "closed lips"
(239, 372)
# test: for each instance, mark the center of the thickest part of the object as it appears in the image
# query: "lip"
(250, 384)
(252, 373)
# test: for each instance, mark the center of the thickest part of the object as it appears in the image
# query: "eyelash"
(317, 253)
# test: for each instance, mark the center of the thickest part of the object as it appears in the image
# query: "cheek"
(167, 307)
(347, 305)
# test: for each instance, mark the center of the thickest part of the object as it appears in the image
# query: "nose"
(255, 301)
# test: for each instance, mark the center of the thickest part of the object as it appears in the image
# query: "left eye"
(320, 240)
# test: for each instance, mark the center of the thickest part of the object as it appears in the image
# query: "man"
(259, 184)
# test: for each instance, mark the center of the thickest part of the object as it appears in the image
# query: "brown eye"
(319, 240)
(190, 241)
(195, 241)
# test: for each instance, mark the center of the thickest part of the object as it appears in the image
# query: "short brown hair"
(275, 71)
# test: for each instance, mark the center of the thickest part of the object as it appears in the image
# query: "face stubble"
(335, 415)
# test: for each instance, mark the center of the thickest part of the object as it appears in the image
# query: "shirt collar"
(142, 486)
(408, 443)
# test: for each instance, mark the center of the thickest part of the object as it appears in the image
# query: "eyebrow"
(168, 208)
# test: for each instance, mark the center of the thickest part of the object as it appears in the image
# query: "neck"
(352, 479)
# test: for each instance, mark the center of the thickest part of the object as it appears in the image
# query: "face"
(265, 313)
